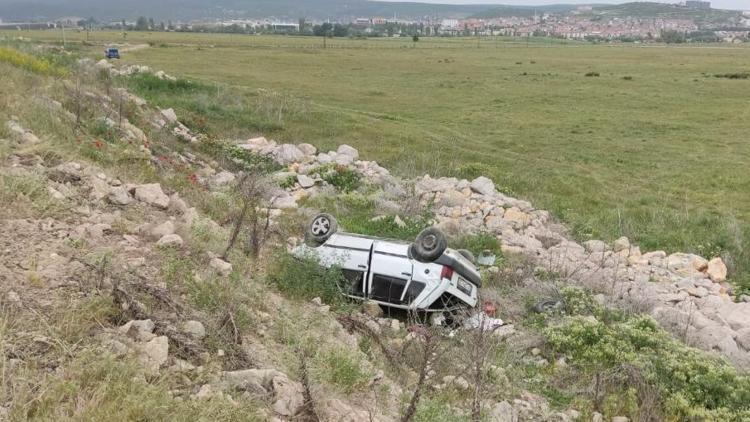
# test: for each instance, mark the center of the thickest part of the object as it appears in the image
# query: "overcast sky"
(717, 4)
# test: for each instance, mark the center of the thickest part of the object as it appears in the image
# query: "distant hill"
(665, 11)
(634, 9)
(197, 9)
(504, 11)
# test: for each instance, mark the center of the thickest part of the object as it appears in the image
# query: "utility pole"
(62, 26)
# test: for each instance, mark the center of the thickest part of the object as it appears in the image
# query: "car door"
(352, 255)
(390, 272)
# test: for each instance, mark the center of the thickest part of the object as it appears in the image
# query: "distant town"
(582, 23)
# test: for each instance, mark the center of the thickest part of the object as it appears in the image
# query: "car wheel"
(547, 305)
(429, 245)
(468, 255)
(321, 227)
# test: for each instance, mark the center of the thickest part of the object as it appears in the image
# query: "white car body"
(382, 271)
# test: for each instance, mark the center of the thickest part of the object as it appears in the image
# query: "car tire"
(321, 228)
(468, 255)
(429, 245)
(547, 305)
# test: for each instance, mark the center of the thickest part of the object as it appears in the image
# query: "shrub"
(237, 158)
(289, 182)
(342, 177)
(739, 75)
(592, 74)
(31, 63)
(340, 368)
(305, 279)
(689, 383)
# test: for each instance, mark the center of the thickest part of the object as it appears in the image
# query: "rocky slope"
(688, 294)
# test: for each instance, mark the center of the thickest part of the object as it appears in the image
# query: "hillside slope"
(198, 9)
(146, 275)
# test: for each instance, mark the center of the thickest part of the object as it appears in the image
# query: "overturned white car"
(423, 276)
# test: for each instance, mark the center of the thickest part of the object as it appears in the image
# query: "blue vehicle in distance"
(112, 53)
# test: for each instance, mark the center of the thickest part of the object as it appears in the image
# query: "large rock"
(621, 244)
(194, 329)
(119, 196)
(222, 267)
(170, 240)
(451, 198)
(595, 246)
(372, 309)
(170, 115)
(348, 151)
(518, 218)
(284, 201)
(152, 195)
(141, 330)
(503, 412)
(335, 410)
(307, 149)
(305, 181)
(483, 185)
(155, 353)
(163, 229)
(288, 396)
(717, 270)
(287, 154)
(737, 315)
(66, 173)
(686, 264)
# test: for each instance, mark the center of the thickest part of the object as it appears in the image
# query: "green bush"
(340, 368)
(690, 383)
(305, 279)
(237, 158)
(341, 177)
(31, 63)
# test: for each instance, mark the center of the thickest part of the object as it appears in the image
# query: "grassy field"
(642, 141)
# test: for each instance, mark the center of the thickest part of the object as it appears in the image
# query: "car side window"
(354, 282)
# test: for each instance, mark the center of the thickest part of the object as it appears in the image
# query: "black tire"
(321, 228)
(468, 255)
(429, 245)
(547, 305)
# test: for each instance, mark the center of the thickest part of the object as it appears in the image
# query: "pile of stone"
(130, 69)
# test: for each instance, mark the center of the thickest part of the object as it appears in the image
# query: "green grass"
(652, 148)
(357, 213)
(98, 386)
(342, 369)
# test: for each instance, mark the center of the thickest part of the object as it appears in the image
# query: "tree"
(162, 27)
(301, 25)
(671, 36)
(323, 30)
(340, 30)
(151, 24)
(141, 24)
(414, 40)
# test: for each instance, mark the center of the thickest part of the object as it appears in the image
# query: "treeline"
(668, 36)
